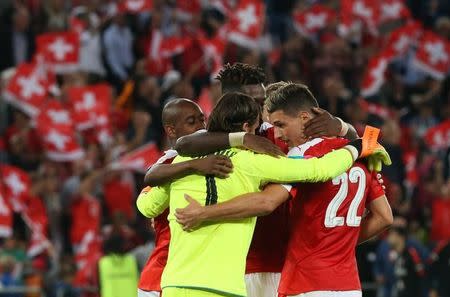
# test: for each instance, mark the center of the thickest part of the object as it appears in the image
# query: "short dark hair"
(291, 99)
(233, 77)
(273, 87)
(232, 111)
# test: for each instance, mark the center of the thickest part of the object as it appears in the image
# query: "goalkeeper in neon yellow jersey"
(210, 261)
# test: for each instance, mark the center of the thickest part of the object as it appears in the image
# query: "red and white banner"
(313, 19)
(53, 113)
(35, 217)
(376, 109)
(17, 186)
(438, 137)
(374, 77)
(135, 6)
(185, 10)
(401, 39)
(247, 23)
(353, 11)
(6, 215)
(60, 143)
(433, 55)
(60, 50)
(89, 104)
(138, 160)
(28, 88)
(392, 10)
(412, 174)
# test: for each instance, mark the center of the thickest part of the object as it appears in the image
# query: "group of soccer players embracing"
(314, 206)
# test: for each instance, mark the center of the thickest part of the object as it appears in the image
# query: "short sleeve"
(375, 189)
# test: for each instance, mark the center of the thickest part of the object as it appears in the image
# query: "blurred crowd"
(61, 207)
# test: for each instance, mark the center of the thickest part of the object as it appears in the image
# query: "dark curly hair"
(233, 77)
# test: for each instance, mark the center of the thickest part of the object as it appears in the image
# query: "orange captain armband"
(370, 141)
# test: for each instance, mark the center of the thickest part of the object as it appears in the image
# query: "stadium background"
(69, 178)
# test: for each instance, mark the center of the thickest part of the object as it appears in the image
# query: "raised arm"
(325, 124)
(243, 206)
(199, 144)
(379, 218)
(159, 174)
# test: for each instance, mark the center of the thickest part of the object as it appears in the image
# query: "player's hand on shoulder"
(190, 217)
(323, 124)
(217, 165)
(261, 145)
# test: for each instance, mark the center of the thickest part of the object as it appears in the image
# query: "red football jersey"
(270, 238)
(150, 279)
(325, 221)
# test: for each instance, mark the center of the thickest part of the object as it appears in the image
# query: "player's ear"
(304, 116)
(170, 131)
(246, 127)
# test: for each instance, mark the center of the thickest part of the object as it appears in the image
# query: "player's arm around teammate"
(379, 218)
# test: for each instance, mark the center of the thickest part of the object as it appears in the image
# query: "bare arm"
(160, 174)
(379, 218)
(243, 206)
(200, 144)
(325, 124)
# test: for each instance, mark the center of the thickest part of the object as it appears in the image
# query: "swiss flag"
(28, 89)
(246, 24)
(35, 217)
(313, 19)
(401, 39)
(6, 215)
(60, 50)
(139, 159)
(391, 10)
(16, 188)
(433, 55)
(438, 137)
(53, 113)
(366, 11)
(135, 6)
(376, 109)
(60, 143)
(214, 49)
(374, 76)
(89, 105)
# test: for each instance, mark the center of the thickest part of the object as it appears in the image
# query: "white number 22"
(331, 220)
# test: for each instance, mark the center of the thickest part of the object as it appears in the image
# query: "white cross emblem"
(29, 86)
(391, 10)
(247, 18)
(60, 49)
(88, 101)
(402, 43)
(57, 139)
(15, 184)
(58, 116)
(436, 52)
(360, 9)
(314, 21)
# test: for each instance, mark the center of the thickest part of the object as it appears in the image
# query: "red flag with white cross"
(438, 137)
(433, 55)
(88, 104)
(60, 143)
(16, 184)
(374, 77)
(28, 89)
(138, 160)
(401, 39)
(315, 18)
(6, 215)
(60, 50)
(54, 113)
(247, 23)
(392, 10)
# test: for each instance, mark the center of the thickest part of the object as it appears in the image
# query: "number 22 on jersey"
(355, 175)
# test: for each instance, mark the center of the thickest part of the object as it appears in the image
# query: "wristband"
(344, 127)
(236, 139)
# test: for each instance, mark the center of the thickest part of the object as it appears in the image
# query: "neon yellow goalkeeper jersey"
(213, 256)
